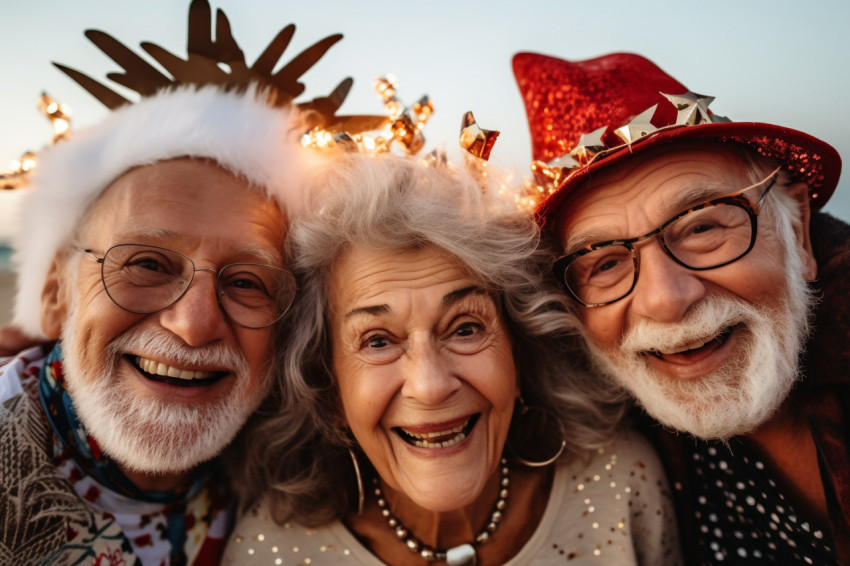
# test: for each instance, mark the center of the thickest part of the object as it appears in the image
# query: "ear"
(800, 192)
(55, 298)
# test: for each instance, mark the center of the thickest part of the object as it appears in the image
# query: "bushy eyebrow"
(455, 296)
(690, 195)
(448, 300)
(140, 234)
(694, 194)
(585, 239)
(373, 310)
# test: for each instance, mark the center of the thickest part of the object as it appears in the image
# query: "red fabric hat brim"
(566, 99)
(789, 147)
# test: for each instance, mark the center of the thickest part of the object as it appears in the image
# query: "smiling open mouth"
(440, 438)
(699, 347)
(162, 373)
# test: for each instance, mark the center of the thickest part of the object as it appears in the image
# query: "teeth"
(444, 444)
(678, 349)
(428, 435)
(157, 368)
(422, 440)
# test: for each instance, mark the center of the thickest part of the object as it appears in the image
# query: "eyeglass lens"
(146, 279)
(701, 239)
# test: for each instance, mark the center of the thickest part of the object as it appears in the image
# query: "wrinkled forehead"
(184, 198)
(656, 185)
(189, 178)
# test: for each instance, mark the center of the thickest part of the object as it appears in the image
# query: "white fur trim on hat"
(239, 131)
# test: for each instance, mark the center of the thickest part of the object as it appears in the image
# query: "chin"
(154, 436)
(445, 482)
(734, 399)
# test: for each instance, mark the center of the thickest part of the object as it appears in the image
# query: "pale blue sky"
(775, 61)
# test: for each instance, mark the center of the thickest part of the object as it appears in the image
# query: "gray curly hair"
(295, 444)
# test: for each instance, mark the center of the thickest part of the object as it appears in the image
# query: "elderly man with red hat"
(712, 291)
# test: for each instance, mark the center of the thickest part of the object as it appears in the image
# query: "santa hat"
(213, 107)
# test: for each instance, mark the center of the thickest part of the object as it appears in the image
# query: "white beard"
(152, 435)
(736, 398)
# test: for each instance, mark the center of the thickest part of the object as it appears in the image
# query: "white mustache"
(705, 321)
(161, 344)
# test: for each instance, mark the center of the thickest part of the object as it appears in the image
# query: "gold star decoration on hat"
(639, 127)
(588, 146)
(691, 108)
(550, 175)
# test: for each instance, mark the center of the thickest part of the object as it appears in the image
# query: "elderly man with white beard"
(710, 291)
(150, 254)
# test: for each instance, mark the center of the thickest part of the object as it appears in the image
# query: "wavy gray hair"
(296, 444)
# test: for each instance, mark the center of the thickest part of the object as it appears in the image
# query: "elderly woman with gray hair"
(432, 405)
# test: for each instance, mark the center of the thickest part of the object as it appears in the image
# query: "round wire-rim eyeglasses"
(145, 279)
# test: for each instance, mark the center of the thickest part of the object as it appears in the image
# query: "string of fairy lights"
(59, 115)
(403, 128)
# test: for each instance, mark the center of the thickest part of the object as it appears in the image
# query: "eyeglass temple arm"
(774, 175)
(90, 253)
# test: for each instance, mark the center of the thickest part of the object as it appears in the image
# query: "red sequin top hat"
(584, 115)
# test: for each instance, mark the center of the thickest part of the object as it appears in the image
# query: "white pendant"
(463, 555)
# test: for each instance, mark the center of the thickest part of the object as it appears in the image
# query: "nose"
(664, 290)
(428, 377)
(196, 317)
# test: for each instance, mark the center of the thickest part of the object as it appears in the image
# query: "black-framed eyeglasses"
(146, 279)
(706, 236)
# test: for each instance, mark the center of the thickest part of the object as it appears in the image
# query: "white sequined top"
(615, 511)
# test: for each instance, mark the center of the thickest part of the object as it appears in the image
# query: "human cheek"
(92, 335)
(492, 373)
(763, 281)
(604, 325)
(91, 294)
(354, 393)
(255, 347)
(368, 391)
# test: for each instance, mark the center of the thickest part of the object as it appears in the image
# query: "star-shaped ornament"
(477, 141)
(553, 173)
(691, 108)
(715, 118)
(407, 134)
(588, 146)
(639, 127)
(567, 162)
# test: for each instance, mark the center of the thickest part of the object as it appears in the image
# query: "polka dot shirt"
(742, 516)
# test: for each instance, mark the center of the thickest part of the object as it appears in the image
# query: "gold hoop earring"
(361, 494)
(531, 428)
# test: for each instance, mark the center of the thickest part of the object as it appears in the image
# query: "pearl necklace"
(461, 555)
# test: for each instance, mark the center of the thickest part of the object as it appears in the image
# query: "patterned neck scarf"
(85, 449)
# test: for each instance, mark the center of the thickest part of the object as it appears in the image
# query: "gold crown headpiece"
(218, 60)
(210, 61)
